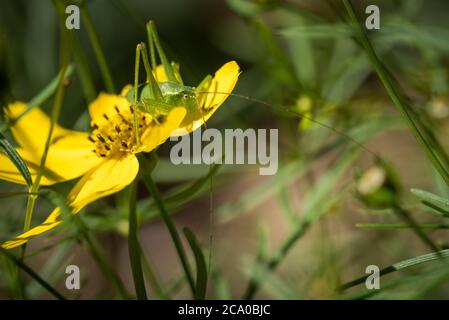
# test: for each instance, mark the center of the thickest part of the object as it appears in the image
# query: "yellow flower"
(210, 96)
(105, 157)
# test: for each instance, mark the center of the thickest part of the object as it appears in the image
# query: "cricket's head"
(176, 94)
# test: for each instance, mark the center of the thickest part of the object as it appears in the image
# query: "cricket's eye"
(185, 96)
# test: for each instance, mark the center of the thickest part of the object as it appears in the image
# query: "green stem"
(64, 62)
(99, 54)
(134, 247)
(152, 188)
(136, 95)
(84, 74)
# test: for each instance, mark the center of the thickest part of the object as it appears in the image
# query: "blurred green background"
(295, 55)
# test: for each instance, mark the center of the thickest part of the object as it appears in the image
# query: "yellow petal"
(126, 89)
(105, 104)
(160, 74)
(9, 172)
(72, 156)
(52, 221)
(31, 130)
(107, 178)
(157, 134)
(215, 94)
(68, 157)
(223, 83)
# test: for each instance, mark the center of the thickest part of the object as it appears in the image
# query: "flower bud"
(377, 187)
(438, 107)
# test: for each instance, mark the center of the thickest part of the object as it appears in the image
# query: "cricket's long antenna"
(301, 115)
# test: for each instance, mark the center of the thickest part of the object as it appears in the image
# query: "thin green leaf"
(201, 268)
(147, 169)
(400, 266)
(393, 226)
(134, 246)
(433, 201)
(16, 159)
(32, 274)
(99, 54)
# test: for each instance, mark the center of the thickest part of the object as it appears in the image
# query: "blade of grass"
(201, 268)
(152, 279)
(423, 135)
(433, 201)
(134, 247)
(16, 159)
(400, 266)
(99, 54)
(152, 188)
(394, 226)
(32, 274)
(83, 70)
